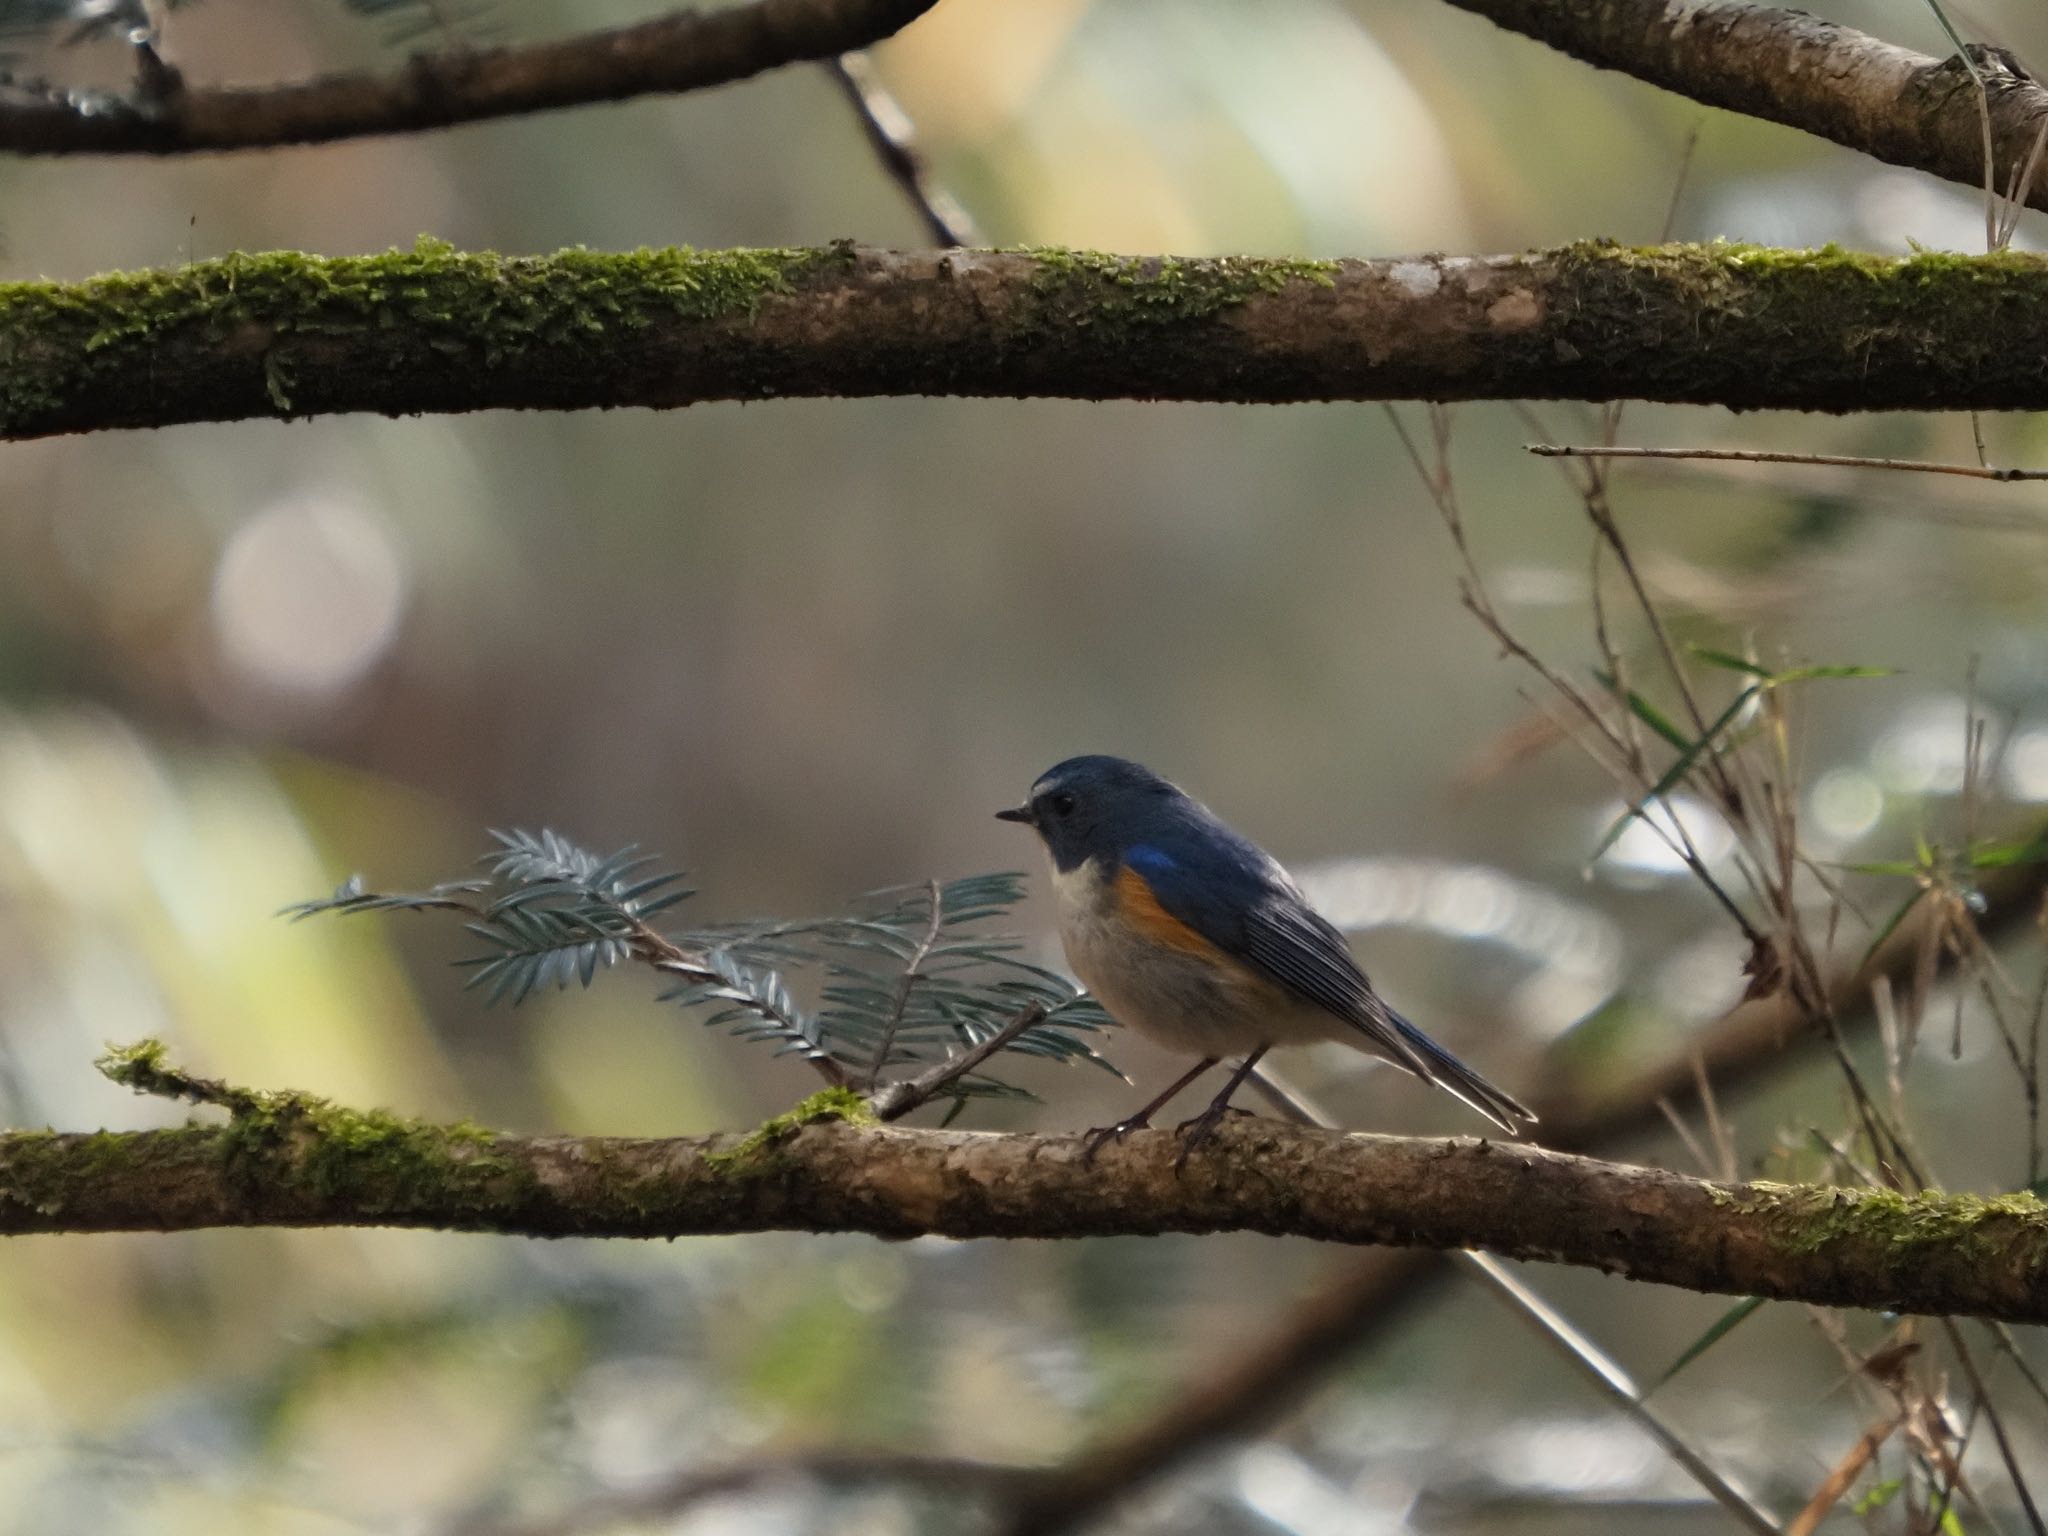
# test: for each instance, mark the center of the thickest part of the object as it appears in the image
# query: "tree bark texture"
(684, 51)
(1788, 67)
(435, 330)
(286, 1161)
(1783, 66)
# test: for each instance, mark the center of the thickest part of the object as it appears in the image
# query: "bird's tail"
(1433, 1064)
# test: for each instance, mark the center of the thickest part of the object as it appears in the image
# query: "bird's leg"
(1196, 1131)
(1097, 1139)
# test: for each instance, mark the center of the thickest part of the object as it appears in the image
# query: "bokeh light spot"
(307, 596)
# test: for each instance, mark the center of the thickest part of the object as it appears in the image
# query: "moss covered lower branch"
(294, 1160)
(433, 329)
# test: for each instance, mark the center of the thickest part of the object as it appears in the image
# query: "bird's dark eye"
(1061, 804)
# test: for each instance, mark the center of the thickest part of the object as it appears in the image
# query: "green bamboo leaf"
(2005, 855)
(1677, 770)
(1891, 925)
(1728, 660)
(1809, 674)
(1884, 867)
(1733, 663)
(1724, 1325)
(1644, 710)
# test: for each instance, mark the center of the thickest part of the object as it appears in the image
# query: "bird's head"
(1093, 808)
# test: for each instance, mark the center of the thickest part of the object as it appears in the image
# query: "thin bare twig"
(897, 1099)
(1785, 959)
(1842, 1476)
(1952, 1473)
(1439, 483)
(2006, 1451)
(913, 973)
(1685, 159)
(2033, 1079)
(1761, 456)
(1586, 1357)
(893, 137)
(1615, 1383)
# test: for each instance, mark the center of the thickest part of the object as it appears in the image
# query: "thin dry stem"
(913, 972)
(899, 1098)
(1841, 1477)
(893, 137)
(1764, 456)
(1992, 1417)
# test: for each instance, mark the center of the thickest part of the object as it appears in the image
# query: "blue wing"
(1227, 890)
(1239, 900)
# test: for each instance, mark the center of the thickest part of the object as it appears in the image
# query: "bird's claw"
(1194, 1132)
(1102, 1136)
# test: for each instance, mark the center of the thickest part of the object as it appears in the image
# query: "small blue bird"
(1198, 939)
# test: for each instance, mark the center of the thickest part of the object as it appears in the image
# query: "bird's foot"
(1103, 1135)
(1193, 1133)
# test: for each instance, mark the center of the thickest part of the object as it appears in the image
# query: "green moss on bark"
(756, 1153)
(389, 1161)
(1120, 292)
(434, 329)
(1791, 308)
(55, 338)
(383, 1162)
(1807, 1220)
(52, 1173)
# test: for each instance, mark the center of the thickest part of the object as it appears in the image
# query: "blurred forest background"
(805, 649)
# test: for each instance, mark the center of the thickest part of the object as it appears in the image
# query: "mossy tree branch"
(292, 1160)
(434, 330)
(686, 50)
(1787, 67)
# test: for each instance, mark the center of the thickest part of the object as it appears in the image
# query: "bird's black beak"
(1018, 813)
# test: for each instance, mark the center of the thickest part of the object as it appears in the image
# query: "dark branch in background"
(1778, 65)
(831, 1468)
(1236, 1400)
(290, 1160)
(1791, 68)
(683, 51)
(893, 138)
(433, 330)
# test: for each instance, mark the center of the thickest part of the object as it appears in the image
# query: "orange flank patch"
(1138, 907)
